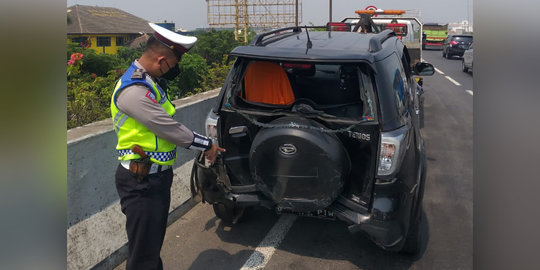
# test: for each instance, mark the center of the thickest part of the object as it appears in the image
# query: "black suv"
(321, 124)
(455, 45)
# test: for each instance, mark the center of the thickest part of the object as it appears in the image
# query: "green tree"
(216, 75)
(212, 45)
(128, 54)
(101, 64)
(91, 76)
(89, 98)
(192, 68)
(73, 48)
(88, 95)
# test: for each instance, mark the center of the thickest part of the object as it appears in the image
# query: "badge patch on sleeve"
(151, 96)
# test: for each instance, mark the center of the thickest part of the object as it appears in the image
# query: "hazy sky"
(191, 14)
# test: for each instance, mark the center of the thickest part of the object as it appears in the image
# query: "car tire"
(443, 54)
(228, 213)
(463, 67)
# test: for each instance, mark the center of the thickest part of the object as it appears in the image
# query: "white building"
(460, 28)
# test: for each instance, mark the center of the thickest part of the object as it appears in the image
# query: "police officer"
(143, 117)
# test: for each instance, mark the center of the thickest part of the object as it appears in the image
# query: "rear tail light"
(211, 126)
(453, 42)
(344, 27)
(392, 150)
(297, 66)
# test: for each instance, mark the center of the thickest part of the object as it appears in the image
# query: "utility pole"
(236, 20)
(468, 18)
(330, 8)
(246, 21)
(296, 18)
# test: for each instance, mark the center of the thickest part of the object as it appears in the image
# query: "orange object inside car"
(267, 82)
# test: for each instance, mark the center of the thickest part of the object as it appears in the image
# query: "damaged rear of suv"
(321, 124)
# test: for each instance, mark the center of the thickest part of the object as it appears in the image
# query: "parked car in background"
(455, 45)
(467, 60)
(321, 124)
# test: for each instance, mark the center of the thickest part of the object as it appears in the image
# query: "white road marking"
(453, 81)
(262, 254)
(440, 72)
(470, 92)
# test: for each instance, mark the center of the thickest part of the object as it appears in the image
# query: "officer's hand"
(211, 154)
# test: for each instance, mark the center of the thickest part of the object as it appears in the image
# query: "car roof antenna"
(308, 44)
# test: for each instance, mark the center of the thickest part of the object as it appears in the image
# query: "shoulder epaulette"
(137, 74)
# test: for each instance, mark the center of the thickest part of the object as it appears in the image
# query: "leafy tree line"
(91, 77)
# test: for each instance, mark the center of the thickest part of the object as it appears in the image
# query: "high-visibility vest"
(130, 132)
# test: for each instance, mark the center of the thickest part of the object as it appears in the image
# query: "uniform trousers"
(146, 206)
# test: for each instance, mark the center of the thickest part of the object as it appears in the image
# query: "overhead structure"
(242, 14)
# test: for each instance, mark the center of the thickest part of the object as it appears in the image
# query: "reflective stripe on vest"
(130, 132)
(117, 123)
(159, 156)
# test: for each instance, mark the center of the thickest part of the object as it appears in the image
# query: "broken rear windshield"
(337, 90)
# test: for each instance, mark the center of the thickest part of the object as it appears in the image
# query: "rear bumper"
(433, 45)
(456, 51)
(384, 223)
(386, 233)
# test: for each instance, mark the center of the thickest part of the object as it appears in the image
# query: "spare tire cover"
(298, 166)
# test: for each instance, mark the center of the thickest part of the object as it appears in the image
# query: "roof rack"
(257, 41)
(375, 43)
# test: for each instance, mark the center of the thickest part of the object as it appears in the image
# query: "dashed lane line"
(262, 254)
(453, 81)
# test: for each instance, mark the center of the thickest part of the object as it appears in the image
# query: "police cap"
(178, 43)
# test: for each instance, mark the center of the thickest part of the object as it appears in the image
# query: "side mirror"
(424, 69)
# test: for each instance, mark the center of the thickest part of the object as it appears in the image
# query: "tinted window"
(465, 39)
(399, 91)
(393, 86)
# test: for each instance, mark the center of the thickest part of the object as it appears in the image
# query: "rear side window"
(394, 74)
(465, 39)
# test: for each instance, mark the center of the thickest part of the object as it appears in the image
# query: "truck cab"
(407, 28)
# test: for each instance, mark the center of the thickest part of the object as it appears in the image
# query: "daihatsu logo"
(287, 149)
